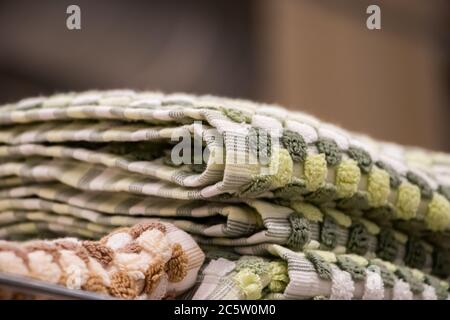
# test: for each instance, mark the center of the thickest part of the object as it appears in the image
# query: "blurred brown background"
(311, 55)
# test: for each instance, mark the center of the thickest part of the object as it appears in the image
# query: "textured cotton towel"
(311, 274)
(146, 261)
(242, 177)
(248, 150)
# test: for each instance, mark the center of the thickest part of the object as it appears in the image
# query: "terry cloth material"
(254, 177)
(54, 207)
(146, 261)
(132, 132)
(285, 274)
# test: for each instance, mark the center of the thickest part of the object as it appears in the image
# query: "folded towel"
(123, 141)
(312, 274)
(34, 208)
(246, 180)
(146, 261)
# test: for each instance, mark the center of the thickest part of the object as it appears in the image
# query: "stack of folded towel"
(283, 205)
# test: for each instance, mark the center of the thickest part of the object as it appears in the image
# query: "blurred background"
(311, 55)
